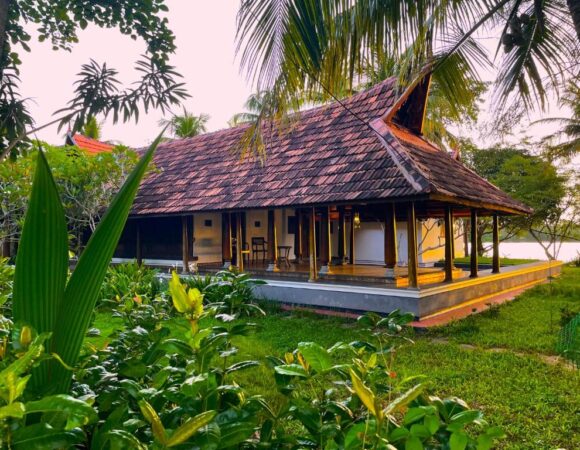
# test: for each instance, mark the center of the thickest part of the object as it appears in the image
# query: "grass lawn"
(488, 260)
(536, 403)
(530, 323)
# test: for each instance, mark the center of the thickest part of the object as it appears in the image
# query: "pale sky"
(205, 32)
(205, 56)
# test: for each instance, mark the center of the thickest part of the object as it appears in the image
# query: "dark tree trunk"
(574, 6)
(4, 7)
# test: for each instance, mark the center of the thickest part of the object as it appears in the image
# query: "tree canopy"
(551, 191)
(186, 125)
(326, 47)
(97, 90)
(86, 184)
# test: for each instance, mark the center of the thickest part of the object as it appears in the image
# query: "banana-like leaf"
(77, 412)
(42, 436)
(16, 410)
(365, 394)
(159, 432)
(12, 379)
(123, 440)
(190, 427)
(84, 285)
(42, 260)
(315, 355)
(404, 399)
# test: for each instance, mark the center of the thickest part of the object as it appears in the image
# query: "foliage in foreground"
(86, 185)
(151, 387)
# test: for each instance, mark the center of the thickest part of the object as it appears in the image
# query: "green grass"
(488, 260)
(530, 323)
(536, 403)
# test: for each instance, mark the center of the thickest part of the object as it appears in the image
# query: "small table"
(284, 254)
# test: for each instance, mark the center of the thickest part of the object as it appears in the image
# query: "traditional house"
(339, 192)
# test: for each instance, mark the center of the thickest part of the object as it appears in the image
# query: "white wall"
(369, 238)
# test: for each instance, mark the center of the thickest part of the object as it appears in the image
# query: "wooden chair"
(259, 246)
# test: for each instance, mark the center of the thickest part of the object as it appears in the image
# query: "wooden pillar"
(495, 256)
(298, 236)
(325, 247)
(226, 240)
(412, 259)
(351, 240)
(139, 248)
(341, 235)
(313, 272)
(465, 237)
(239, 243)
(452, 236)
(305, 252)
(473, 250)
(448, 244)
(272, 243)
(185, 244)
(390, 248)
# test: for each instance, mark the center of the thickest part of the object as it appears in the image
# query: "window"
(257, 224)
(207, 223)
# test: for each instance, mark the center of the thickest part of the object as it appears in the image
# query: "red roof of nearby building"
(337, 153)
(91, 146)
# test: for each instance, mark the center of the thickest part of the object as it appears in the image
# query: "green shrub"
(151, 389)
(129, 281)
(6, 277)
(229, 291)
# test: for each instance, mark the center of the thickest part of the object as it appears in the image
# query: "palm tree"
(292, 47)
(186, 125)
(92, 128)
(565, 142)
(254, 105)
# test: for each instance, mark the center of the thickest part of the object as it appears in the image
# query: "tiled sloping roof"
(91, 146)
(328, 155)
(449, 177)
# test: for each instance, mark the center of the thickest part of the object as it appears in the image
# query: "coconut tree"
(292, 47)
(186, 125)
(254, 104)
(565, 142)
(92, 128)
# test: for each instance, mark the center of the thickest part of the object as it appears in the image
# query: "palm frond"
(538, 44)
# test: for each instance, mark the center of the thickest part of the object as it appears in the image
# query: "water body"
(533, 250)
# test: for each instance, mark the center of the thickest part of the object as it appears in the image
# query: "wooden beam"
(341, 235)
(390, 247)
(351, 240)
(473, 250)
(495, 257)
(272, 243)
(313, 272)
(448, 243)
(239, 242)
(476, 204)
(139, 247)
(226, 240)
(413, 258)
(185, 244)
(325, 247)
